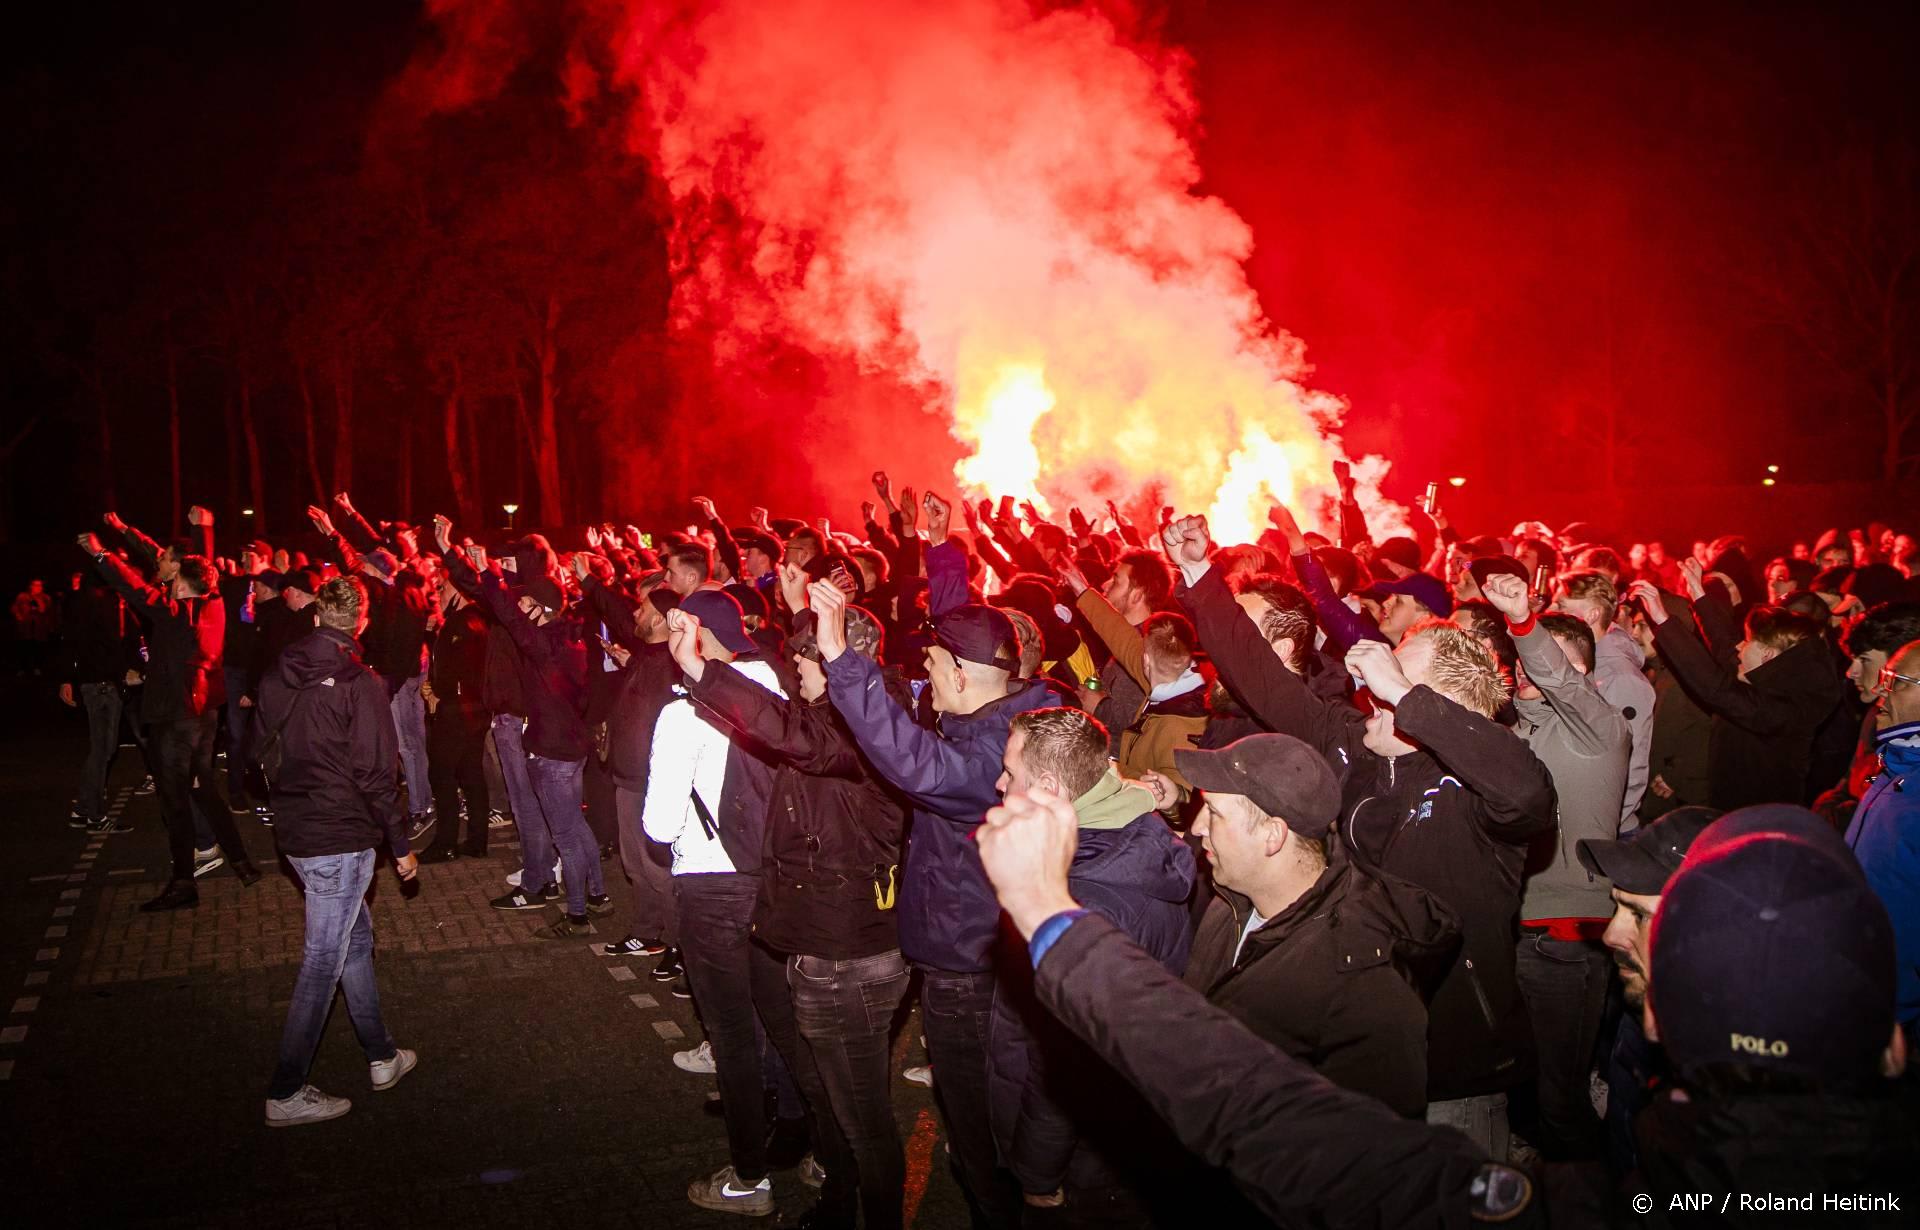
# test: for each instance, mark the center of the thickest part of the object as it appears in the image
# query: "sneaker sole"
(212, 864)
(741, 1206)
(409, 1066)
(531, 905)
(696, 1071)
(306, 1119)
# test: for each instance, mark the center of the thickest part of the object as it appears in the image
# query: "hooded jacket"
(1339, 979)
(1044, 1089)
(1453, 817)
(1885, 837)
(1164, 718)
(338, 790)
(500, 686)
(948, 914)
(1619, 671)
(834, 832)
(1763, 726)
(1586, 744)
(186, 642)
(553, 675)
(277, 627)
(693, 755)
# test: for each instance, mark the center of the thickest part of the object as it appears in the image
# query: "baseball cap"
(384, 562)
(1428, 591)
(1494, 565)
(751, 600)
(1778, 955)
(1403, 551)
(719, 614)
(863, 634)
(546, 593)
(306, 580)
(261, 548)
(1644, 860)
(979, 634)
(1779, 819)
(1283, 776)
(269, 578)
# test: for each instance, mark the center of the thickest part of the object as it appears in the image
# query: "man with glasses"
(1885, 832)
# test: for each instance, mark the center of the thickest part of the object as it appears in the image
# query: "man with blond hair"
(1433, 790)
(1619, 671)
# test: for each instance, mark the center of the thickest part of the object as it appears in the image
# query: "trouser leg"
(717, 916)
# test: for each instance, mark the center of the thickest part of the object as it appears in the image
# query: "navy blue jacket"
(948, 914)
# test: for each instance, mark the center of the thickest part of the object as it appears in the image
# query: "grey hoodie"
(1619, 671)
(1585, 744)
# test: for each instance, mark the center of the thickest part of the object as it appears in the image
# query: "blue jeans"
(240, 729)
(410, 727)
(716, 944)
(558, 821)
(339, 953)
(102, 703)
(507, 729)
(955, 1007)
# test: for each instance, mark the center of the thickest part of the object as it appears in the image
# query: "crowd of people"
(1311, 880)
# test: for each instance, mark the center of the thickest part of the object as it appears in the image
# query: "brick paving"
(135, 1048)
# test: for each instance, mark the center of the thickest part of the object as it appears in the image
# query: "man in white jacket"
(707, 798)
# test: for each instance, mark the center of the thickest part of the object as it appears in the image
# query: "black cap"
(979, 634)
(1769, 951)
(1644, 860)
(1494, 565)
(546, 593)
(306, 580)
(751, 600)
(719, 614)
(269, 578)
(1283, 776)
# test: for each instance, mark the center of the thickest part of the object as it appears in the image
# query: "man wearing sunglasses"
(1885, 832)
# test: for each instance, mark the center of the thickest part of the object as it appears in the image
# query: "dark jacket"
(553, 670)
(948, 915)
(1454, 818)
(243, 626)
(459, 664)
(1045, 1092)
(185, 646)
(1338, 979)
(1305, 1151)
(99, 637)
(829, 873)
(500, 690)
(277, 627)
(338, 790)
(1763, 726)
(638, 695)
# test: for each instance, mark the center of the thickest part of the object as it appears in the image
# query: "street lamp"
(510, 510)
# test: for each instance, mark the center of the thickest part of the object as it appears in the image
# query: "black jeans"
(843, 1011)
(457, 765)
(716, 945)
(648, 866)
(955, 1008)
(183, 775)
(102, 704)
(1564, 984)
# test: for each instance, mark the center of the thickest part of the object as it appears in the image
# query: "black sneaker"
(633, 946)
(77, 819)
(107, 826)
(420, 823)
(681, 990)
(668, 968)
(145, 787)
(601, 904)
(248, 873)
(439, 854)
(566, 927)
(520, 900)
(178, 895)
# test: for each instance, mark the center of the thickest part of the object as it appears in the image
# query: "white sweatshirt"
(689, 754)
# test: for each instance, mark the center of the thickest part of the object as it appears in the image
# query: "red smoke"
(990, 205)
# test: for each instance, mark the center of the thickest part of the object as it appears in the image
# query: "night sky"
(1498, 228)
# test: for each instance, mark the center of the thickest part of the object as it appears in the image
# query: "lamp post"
(510, 509)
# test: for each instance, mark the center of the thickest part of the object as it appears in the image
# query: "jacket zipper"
(1480, 994)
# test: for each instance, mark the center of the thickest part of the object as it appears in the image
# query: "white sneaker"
(209, 859)
(699, 1059)
(387, 1072)
(513, 877)
(812, 1173)
(921, 1075)
(307, 1106)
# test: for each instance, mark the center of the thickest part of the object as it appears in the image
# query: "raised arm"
(1123, 640)
(147, 600)
(724, 546)
(352, 526)
(146, 548)
(1344, 626)
(1491, 760)
(777, 726)
(1595, 726)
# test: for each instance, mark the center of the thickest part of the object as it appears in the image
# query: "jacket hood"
(1113, 802)
(1899, 748)
(1807, 667)
(1617, 644)
(312, 660)
(1143, 856)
